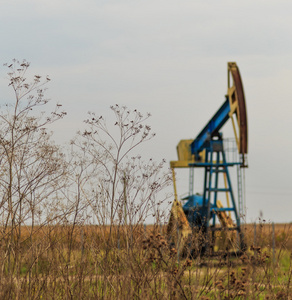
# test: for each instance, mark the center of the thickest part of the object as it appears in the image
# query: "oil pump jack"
(207, 213)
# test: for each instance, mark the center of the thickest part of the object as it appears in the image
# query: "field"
(100, 178)
(134, 262)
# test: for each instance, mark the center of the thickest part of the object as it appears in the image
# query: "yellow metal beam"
(174, 184)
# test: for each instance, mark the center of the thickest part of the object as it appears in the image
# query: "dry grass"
(91, 262)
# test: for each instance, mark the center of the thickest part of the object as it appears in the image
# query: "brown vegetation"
(72, 226)
(137, 262)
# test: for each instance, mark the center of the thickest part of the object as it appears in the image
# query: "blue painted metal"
(211, 190)
(231, 193)
(194, 210)
(216, 184)
(212, 128)
(203, 165)
(201, 210)
(223, 209)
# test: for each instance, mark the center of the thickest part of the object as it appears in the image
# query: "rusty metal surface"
(241, 111)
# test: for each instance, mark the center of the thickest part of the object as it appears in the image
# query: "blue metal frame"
(210, 140)
(212, 128)
(205, 210)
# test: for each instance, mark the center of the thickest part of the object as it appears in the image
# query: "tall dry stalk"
(31, 166)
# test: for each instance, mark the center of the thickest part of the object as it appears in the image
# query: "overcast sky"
(169, 58)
